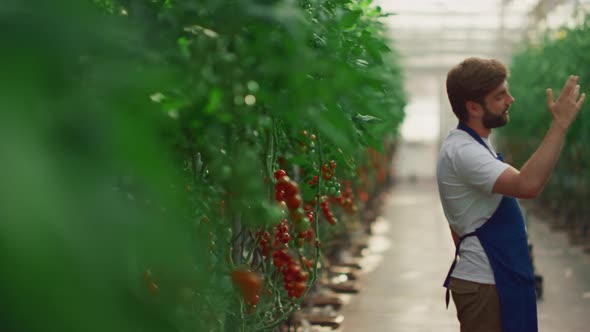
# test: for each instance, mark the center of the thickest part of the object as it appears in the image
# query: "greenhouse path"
(410, 252)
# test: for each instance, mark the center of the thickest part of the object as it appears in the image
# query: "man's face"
(496, 106)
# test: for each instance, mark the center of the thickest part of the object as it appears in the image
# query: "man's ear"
(473, 108)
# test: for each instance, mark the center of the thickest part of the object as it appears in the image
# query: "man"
(492, 283)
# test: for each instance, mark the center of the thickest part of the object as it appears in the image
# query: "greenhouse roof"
(436, 34)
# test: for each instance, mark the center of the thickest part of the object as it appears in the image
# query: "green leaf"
(308, 192)
(350, 18)
(300, 159)
(183, 47)
(214, 101)
(337, 127)
(367, 118)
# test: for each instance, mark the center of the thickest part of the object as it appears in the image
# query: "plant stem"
(256, 241)
(316, 221)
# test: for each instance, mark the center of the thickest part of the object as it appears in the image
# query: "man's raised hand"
(567, 106)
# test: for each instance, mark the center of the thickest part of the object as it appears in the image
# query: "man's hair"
(472, 80)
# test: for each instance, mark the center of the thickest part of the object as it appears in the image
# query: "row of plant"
(185, 166)
(535, 68)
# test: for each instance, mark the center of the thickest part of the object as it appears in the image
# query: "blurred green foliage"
(136, 136)
(539, 66)
(86, 189)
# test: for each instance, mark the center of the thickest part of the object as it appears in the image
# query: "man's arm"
(530, 180)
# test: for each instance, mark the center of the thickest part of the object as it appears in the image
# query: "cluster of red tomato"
(328, 170)
(281, 238)
(287, 192)
(309, 234)
(295, 279)
(327, 212)
(313, 181)
(264, 240)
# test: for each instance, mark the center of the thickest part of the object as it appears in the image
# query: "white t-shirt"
(466, 174)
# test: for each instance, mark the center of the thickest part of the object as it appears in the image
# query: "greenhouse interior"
(295, 165)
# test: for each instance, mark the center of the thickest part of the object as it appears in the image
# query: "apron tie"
(447, 280)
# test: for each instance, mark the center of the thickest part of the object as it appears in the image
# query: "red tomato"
(249, 283)
(300, 287)
(280, 174)
(303, 276)
(279, 195)
(293, 202)
(291, 189)
(285, 238)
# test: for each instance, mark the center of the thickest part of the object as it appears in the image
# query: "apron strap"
(478, 138)
(448, 278)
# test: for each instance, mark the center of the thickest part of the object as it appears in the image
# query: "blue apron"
(504, 240)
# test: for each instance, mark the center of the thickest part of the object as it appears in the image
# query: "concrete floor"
(410, 253)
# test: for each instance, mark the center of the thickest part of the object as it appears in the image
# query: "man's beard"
(491, 120)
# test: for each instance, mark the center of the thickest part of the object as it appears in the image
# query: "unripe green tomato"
(296, 215)
(303, 226)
